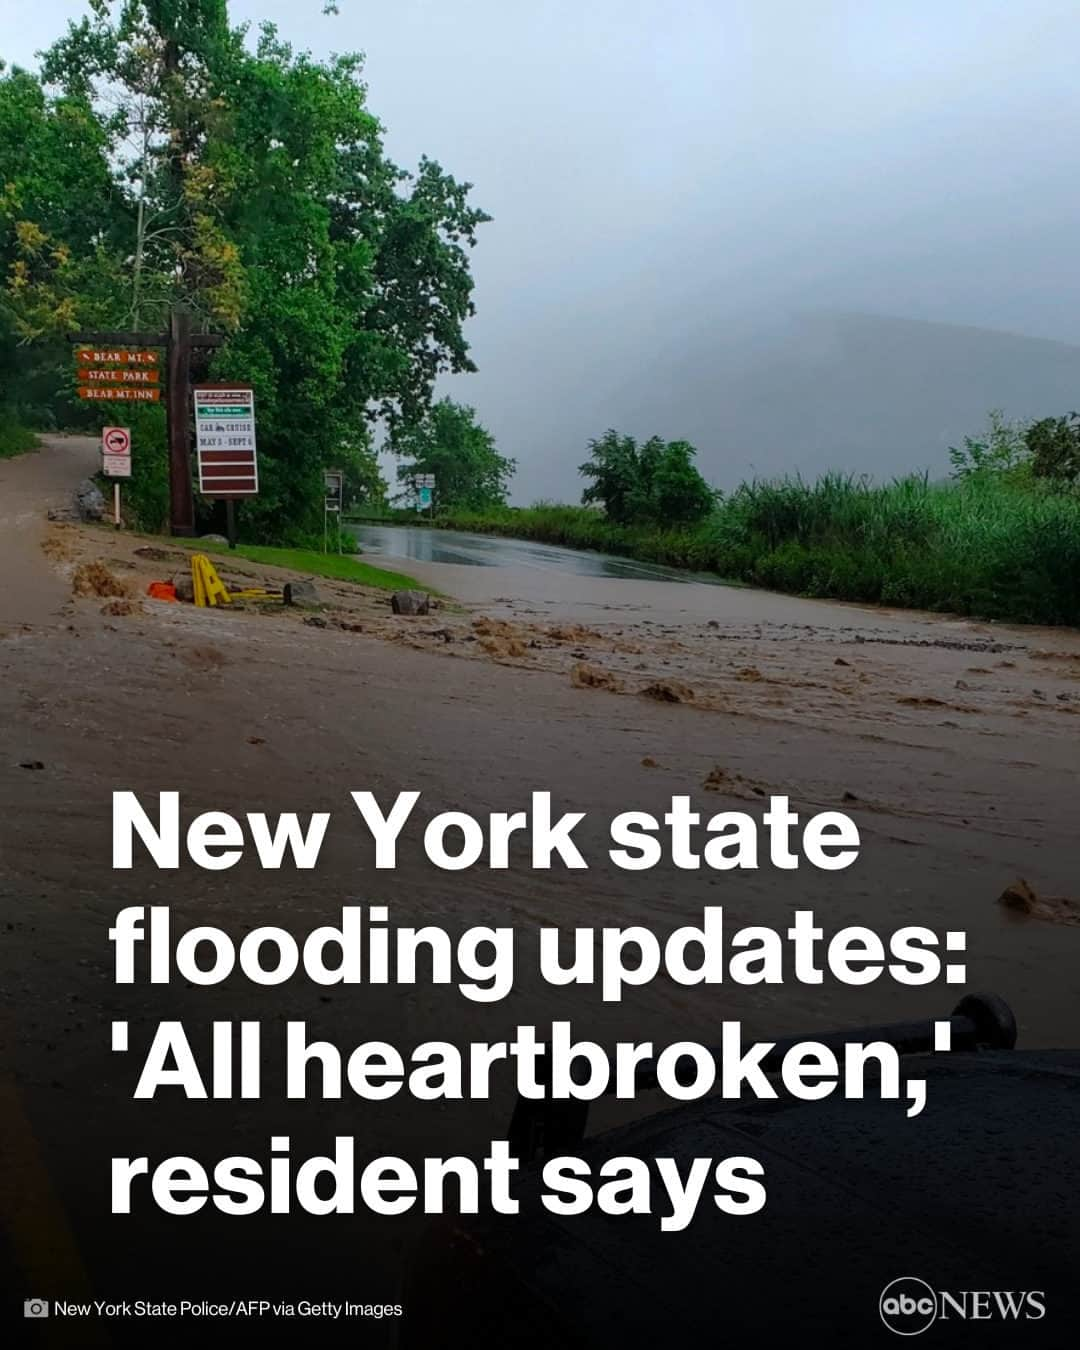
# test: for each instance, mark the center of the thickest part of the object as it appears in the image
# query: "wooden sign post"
(135, 380)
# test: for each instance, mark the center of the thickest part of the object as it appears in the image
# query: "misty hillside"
(862, 393)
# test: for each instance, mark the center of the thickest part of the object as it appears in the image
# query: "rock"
(213, 539)
(301, 593)
(89, 502)
(669, 691)
(315, 621)
(185, 587)
(410, 602)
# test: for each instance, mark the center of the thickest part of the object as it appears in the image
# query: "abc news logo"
(909, 1306)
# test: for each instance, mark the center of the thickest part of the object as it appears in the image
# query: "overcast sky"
(664, 176)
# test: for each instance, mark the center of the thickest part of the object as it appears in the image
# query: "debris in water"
(1021, 897)
(571, 632)
(668, 691)
(584, 676)
(94, 578)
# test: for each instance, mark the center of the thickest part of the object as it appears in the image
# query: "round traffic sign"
(116, 441)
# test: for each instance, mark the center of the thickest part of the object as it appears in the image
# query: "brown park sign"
(118, 394)
(89, 375)
(115, 356)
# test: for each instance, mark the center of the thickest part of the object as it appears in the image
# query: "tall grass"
(978, 547)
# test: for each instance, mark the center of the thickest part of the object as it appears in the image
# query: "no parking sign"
(116, 452)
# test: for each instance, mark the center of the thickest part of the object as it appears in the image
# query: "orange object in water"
(161, 590)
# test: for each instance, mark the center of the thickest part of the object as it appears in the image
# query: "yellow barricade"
(208, 586)
(211, 590)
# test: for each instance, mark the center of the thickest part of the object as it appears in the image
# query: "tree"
(365, 487)
(1054, 444)
(614, 467)
(249, 182)
(656, 483)
(470, 474)
(60, 220)
(679, 493)
(1001, 451)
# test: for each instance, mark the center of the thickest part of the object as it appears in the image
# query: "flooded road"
(514, 577)
(454, 547)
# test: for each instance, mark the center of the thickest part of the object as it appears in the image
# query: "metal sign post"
(333, 502)
(116, 461)
(228, 463)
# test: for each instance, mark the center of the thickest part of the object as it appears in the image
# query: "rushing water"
(484, 550)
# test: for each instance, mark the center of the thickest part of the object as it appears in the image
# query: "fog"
(697, 204)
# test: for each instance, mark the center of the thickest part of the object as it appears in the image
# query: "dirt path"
(30, 485)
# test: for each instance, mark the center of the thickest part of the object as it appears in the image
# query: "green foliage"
(1054, 445)
(1017, 452)
(1002, 449)
(146, 492)
(366, 490)
(976, 547)
(678, 491)
(175, 159)
(59, 214)
(15, 439)
(470, 474)
(655, 482)
(615, 469)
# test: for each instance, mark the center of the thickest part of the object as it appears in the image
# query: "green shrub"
(15, 439)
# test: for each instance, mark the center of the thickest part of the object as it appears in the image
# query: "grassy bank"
(15, 439)
(979, 547)
(338, 567)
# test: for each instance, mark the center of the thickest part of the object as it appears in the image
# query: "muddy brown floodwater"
(952, 744)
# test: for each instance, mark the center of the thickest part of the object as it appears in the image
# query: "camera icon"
(35, 1307)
